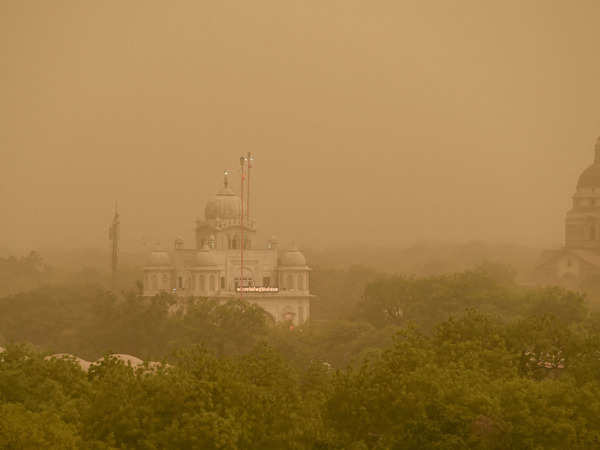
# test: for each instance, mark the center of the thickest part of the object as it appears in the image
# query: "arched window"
(290, 282)
(234, 242)
(180, 282)
(202, 284)
(300, 282)
(212, 283)
(154, 282)
(165, 281)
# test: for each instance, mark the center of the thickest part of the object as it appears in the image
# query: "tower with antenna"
(113, 236)
(249, 159)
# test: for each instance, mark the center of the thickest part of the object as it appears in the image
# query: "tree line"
(464, 360)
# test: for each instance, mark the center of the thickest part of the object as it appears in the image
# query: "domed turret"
(159, 258)
(590, 178)
(292, 257)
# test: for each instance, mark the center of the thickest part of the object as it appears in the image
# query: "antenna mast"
(113, 235)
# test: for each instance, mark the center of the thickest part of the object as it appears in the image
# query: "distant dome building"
(583, 220)
(276, 280)
(580, 257)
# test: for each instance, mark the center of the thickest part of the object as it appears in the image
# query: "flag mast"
(242, 161)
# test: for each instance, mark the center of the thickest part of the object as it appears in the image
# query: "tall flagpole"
(242, 160)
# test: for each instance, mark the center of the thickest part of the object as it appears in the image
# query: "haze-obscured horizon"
(371, 122)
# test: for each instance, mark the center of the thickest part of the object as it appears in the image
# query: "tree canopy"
(454, 361)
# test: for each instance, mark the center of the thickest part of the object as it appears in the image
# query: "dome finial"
(226, 181)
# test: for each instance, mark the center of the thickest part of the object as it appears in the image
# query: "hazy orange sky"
(372, 121)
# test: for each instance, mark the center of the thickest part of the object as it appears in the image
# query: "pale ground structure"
(277, 280)
(579, 259)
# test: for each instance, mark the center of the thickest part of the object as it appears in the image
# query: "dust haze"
(376, 122)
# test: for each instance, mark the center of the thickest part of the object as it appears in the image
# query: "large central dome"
(590, 178)
(225, 205)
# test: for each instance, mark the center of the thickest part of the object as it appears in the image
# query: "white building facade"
(275, 279)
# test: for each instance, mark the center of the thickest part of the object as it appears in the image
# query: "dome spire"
(225, 180)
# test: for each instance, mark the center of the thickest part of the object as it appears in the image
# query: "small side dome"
(292, 257)
(159, 258)
(205, 257)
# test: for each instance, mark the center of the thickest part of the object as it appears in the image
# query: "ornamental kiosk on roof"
(227, 263)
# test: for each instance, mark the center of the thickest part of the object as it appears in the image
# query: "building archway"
(247, 278)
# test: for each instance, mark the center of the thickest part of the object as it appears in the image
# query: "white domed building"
(276, 280)
(580, 257)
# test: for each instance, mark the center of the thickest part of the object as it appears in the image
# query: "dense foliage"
(26, 272)
(467, 360)
(490, 288)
